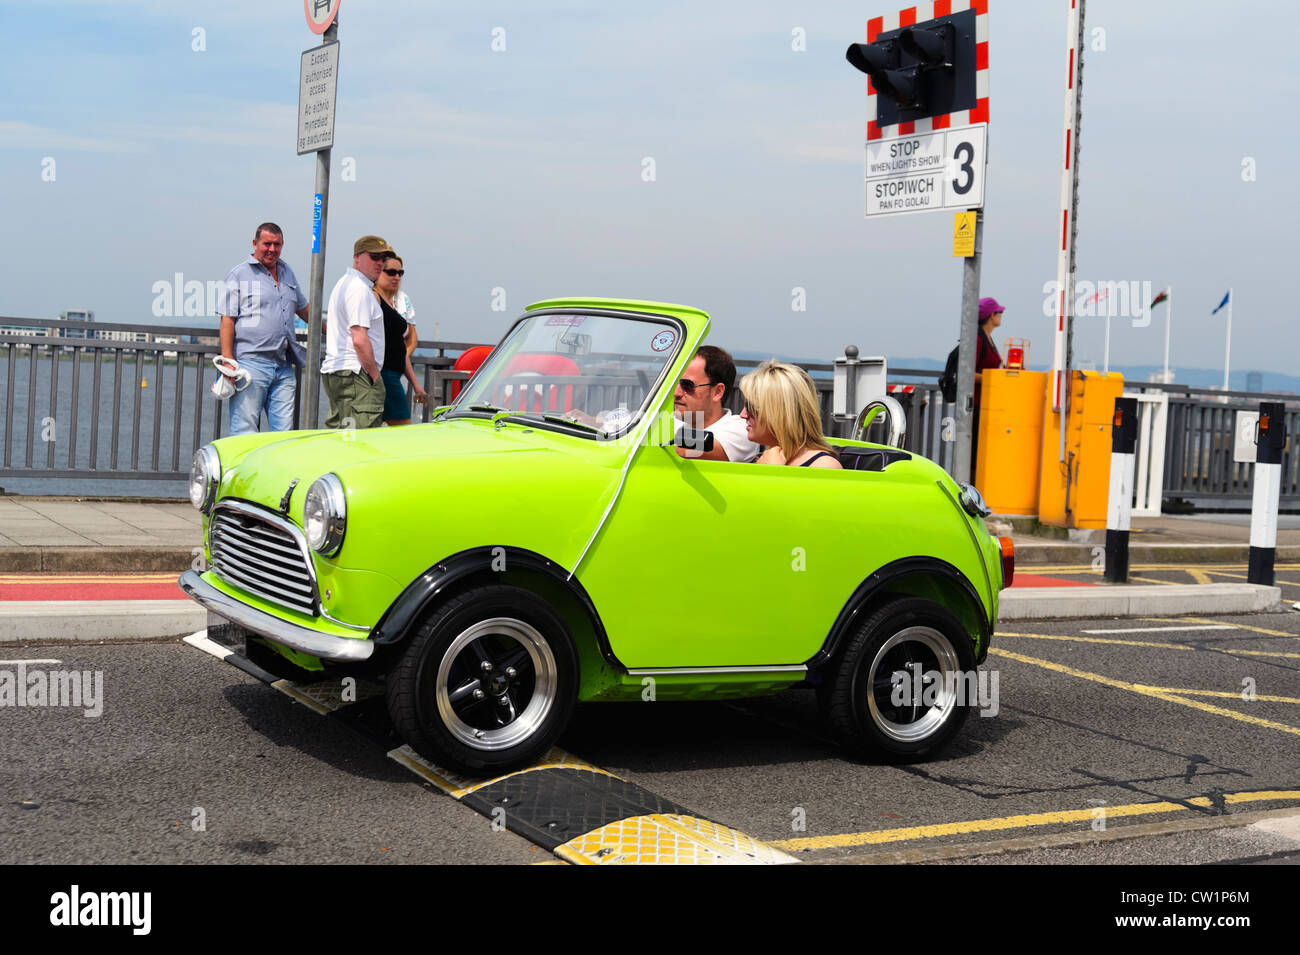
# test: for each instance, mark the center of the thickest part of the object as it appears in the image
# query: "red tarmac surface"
(1037, 580)
(58, 587)
(163, 586)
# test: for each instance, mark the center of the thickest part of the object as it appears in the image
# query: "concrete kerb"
(39, 622)
(1137, 600)
(129, 559)
(36, 622)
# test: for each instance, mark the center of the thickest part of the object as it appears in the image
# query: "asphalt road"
(1100, 727)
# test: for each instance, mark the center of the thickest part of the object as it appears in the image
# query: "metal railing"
(114, 408)
(83, 407)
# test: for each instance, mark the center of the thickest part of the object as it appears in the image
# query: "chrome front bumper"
(327, 646)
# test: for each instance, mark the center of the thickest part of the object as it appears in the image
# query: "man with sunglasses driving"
(697, 404)
(354, 341)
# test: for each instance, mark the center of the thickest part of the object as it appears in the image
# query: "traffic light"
(923, 70)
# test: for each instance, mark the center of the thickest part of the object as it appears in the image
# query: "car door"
(713, 563)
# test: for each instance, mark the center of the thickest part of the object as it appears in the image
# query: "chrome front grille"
(262, 553)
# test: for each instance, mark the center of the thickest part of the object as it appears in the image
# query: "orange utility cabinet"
(1010, 439)
(1072, 492)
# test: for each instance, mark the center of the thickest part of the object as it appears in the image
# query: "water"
(125, 378)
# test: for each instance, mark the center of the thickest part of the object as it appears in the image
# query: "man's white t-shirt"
(353, 302)
(730, 434)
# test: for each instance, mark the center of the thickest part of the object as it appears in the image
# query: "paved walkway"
(70, 535)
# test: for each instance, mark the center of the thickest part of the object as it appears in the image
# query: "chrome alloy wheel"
(496, 684)
(920, 665)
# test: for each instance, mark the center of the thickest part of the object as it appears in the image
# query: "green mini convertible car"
(525, 550)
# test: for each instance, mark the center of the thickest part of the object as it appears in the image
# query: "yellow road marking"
(1243, 626)
(1149, 691)
(1261, 653)
(458, 786)
(1019, 822)
(1152, 580)
(1227, 694)
(1122, 643)
(1200, 576)
(1224, 573)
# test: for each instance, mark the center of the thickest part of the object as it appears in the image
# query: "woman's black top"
(394, 339)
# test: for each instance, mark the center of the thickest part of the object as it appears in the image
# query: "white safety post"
(1119, 504)
(1270, 439)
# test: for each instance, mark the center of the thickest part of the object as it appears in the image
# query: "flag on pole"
(1159, 298)
(1223, 303)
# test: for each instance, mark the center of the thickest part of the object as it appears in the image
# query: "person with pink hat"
(986, 356)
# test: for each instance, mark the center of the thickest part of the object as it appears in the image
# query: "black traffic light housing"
(922, 70)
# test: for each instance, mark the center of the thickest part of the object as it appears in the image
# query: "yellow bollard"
(1073, 492)
(1010, 439)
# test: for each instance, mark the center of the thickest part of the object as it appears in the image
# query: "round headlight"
(325, 515)
(205, 475)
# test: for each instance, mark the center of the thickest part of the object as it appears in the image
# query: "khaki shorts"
(355, 400)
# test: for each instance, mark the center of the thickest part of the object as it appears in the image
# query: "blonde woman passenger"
(781, 413)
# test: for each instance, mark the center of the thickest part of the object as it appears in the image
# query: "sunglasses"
(379, 256)
(394, 271)
(689, 386)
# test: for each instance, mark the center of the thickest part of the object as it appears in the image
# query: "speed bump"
(582, 813)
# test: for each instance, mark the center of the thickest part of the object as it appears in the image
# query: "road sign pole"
(967, 348)
(311, 374)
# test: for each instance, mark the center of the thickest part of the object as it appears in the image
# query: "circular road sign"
(320, 13)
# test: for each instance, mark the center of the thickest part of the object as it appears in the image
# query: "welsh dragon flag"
(1159, 298)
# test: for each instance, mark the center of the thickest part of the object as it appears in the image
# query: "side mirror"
(695, 442)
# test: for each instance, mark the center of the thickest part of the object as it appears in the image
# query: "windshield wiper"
(485, 408)
(570, 422)
(556, 419)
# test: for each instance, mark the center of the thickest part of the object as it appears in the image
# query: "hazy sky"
(522, 169)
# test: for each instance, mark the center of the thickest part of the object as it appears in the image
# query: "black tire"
(454, 712)
(876, 715)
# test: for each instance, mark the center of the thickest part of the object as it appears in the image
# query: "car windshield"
(599, 370)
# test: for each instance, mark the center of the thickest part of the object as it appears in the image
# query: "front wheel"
(905, 684)
(488, 682)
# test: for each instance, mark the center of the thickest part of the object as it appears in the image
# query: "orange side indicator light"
(1008, 547)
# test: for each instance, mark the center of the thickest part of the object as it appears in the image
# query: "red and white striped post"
(1062, 353)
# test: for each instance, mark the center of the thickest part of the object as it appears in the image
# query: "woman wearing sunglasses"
(399, 343)
(781, 412)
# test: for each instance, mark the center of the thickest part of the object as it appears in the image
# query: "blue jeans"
(271, 387)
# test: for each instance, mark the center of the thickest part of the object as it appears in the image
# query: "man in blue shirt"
(260, 300)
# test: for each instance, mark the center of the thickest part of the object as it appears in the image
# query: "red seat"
(469, 360)
(542, 399)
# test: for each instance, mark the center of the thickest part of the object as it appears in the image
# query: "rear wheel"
(905, 683)
(487, 683)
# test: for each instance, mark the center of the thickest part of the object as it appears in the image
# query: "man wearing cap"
(257, 307)
(354, 340)
(986, 356)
